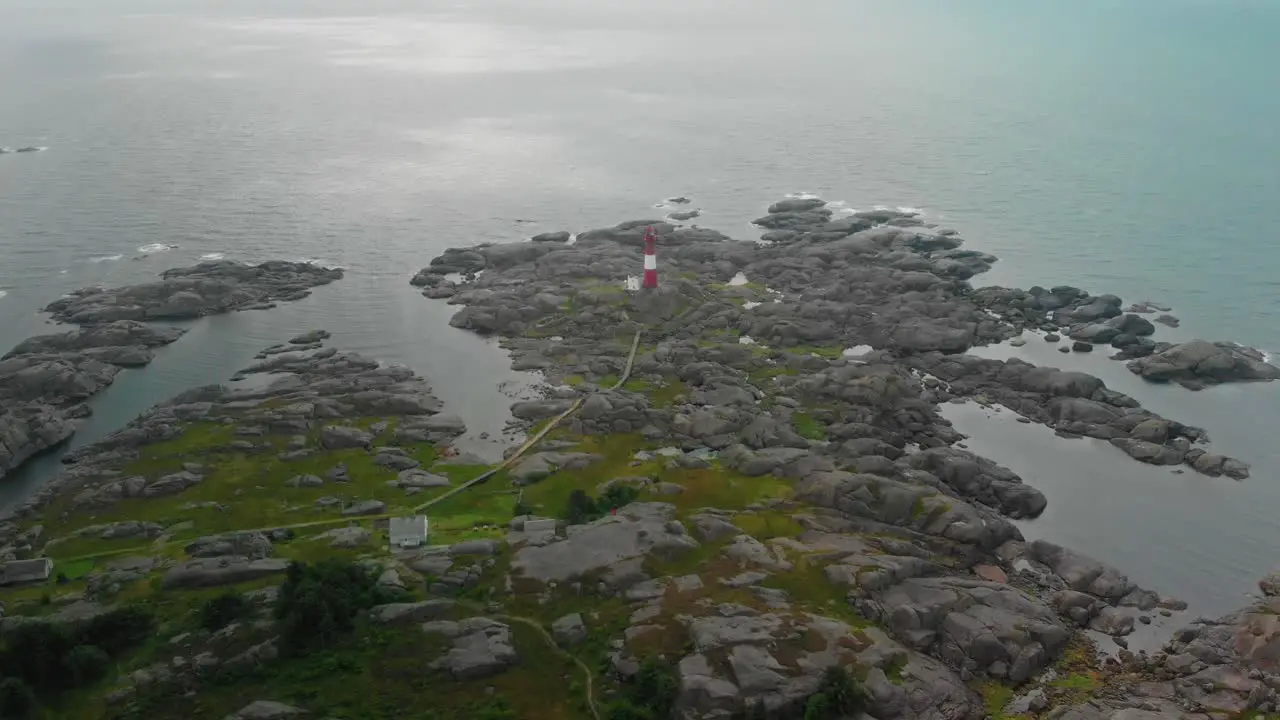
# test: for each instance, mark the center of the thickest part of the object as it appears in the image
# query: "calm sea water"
(1119, 145)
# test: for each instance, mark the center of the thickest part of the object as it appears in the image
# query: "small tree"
(617, 496)
(223, 610)
(581, 508)
(845, 693)
(118, 630)
(819, 707)
(658, 686)
(86, 664)
(17, 701)
(318, 602)
(837, 695)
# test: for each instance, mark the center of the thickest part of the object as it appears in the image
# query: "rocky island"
(738, 500)
(45, 380)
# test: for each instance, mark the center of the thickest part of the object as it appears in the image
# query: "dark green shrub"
(223, 610)
(118, 630)
(319, 602)
(615, 497)
(581, 508)
(650, 695)
(86, 664)
(17, 701)
(837, 696)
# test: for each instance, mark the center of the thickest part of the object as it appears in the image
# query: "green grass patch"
(386, 674)
(637, 385)
(243, 491)
(1077, 681)
(893, 671)
(664, 396)
(462, 515)
(808, 427)
(719, 488)
(550, 496)
(73, 570)
(806, 583)
(995, 696)
(692, 562)
(768, 524)
(764, 376)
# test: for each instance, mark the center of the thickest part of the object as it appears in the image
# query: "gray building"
(408, 532)
(26, 571)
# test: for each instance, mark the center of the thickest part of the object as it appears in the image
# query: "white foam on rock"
(324, 264)
(212, 256)
(750, 304)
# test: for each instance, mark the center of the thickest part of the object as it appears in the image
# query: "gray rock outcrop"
(1198, 364)
(184, 293)
(481, 647)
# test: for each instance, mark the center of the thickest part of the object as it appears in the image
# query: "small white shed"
(408, 532)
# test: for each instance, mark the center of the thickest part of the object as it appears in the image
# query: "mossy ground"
(385, 674)
(244, 491)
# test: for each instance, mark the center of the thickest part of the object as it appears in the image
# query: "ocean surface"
(1124, 146)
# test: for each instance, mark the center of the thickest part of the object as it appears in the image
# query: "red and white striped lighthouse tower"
(650, 259)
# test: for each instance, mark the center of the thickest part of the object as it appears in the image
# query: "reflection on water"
(1204, 540)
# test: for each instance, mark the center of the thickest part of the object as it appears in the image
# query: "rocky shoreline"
(820, 356)
(45, 380)
(879, 280)
(764, 490)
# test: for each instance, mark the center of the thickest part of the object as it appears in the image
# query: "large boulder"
(339, 437)
(1082, 573)
(1005, 632)
(28, 430)
(217, 571)
(246, 544)
(540, 465)
(980, 479)
(393, 613)
(1199, 363)
(480, 647)
(637, 530)
(907, 505)
(268, 710)
(569, 630)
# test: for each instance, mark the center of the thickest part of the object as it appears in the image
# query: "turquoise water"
(1123, 146)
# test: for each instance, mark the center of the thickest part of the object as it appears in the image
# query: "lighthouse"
(650, 259)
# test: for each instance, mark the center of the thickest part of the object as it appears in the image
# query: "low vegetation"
(650, 695)
(582, 508)
(39, 661)
(838, 696)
